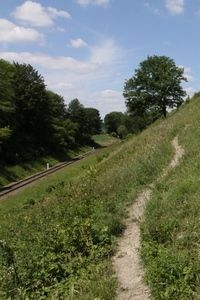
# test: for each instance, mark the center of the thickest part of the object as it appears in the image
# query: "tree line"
(35, 121)
(149, 94)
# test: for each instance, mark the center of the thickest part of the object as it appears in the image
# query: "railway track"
(21, 183)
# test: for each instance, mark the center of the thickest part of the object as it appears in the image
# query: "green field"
(58, 236)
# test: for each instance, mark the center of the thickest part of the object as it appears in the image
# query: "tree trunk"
(164, 111)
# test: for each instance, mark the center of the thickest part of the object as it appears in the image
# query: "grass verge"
(58, 237)
(11, 173)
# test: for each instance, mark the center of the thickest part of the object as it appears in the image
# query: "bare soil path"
(126, 262)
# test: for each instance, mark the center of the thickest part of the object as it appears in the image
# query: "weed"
(63, 241)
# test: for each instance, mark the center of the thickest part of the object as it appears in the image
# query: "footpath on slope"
(126, 262)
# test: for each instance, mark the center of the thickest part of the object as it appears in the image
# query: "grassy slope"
(57, 239)
(10, 173)
(105, 139)
(171, 232)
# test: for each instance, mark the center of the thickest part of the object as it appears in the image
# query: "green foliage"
(63, 236)
(6, 93)
(169, 270)
(122, 131)
(104, 140)
(93, 121)
(196, 95)
(31, 106)
(5, 133)
(57, 239)
(171, 231)
(6, 106)
(76, 113)
(34, 121)
(155, 86)
(113, 120)
(120, 124)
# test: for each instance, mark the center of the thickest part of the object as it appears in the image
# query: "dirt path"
(126, 262)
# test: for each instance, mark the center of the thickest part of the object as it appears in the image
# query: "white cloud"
(61, 29)
(105, 100)
(188, 73)
(83, 79)
(49, 62)
(105, 53)
(85, 3)
(34, 14)
(54, 13)
(99, 57)
(11, 33)
(109, 100)
(190, 91)
(78, 43)
(175, 7)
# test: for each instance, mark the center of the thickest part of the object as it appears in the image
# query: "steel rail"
(23, 182)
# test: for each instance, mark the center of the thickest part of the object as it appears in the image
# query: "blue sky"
(86, 49)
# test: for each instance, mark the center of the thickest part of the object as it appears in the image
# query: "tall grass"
(171, 231)
(58, 238)
(10, 173)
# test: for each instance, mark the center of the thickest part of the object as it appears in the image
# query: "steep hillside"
(57, 240)
(171, 231)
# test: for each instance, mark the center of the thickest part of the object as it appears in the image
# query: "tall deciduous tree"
(63, 130)
(31, 106)
(6, 92)
(34, 121)
(76, 113)
(93, 120)
(155, 86)
(6, 106)
(113, 120)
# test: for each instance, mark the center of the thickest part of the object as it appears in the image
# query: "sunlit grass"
(105, 139)
(171, 231)
(62, 231)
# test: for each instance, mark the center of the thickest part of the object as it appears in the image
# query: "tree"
(133, 124)
(56, 103)
(6, 107)
(76, 113)
(156, 86)
(122, 131)
(63, 129)
(93, 120)
(113, 120)
(6, 92)
(56, 118)
(31, 110)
